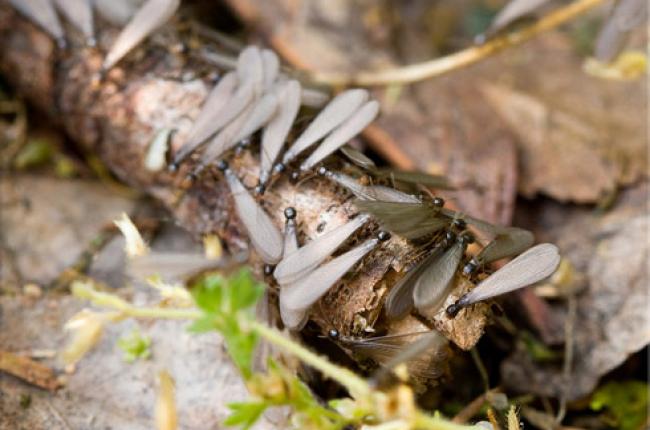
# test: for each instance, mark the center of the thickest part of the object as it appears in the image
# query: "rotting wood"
(158, 86)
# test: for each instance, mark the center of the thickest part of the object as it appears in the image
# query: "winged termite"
(410, 220)
(422, 361)
(509, 242)
(80, 14)
(152, 15)
(301, 295)
(271, 66)
(534, 265)
(433, 285)
(263, 110)
(342, 107)
(295, 266)
(277, 130)
(371, 192)
(203, 127)
(263, 234)
(290, 243)
(399, 301)
(342, 134)
(43, 14)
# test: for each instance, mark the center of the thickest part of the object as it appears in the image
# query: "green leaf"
(135, 346)
(626, 401)
(245, 414)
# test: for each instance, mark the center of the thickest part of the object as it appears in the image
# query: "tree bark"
(162, 85)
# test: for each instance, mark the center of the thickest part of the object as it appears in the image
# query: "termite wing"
(290, 242)
(229, 102)
(264, 235)
(80, 14)
(368, 192)
(357, 157)
(117, 12)
(534, 265)
(338, 110)
(625, 16)
(508, 242)
(297, 298)
(300, 263)
(152, 15)
(409, 220)
(421, 352)
(434, 284)
(276, 132)
(342, 134)
(177, 266)
(399, 301)
(412, 177)
(43, 14)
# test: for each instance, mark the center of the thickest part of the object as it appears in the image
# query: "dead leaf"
(28, 370)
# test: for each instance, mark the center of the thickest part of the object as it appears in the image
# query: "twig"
(439, 66)
(568, 356)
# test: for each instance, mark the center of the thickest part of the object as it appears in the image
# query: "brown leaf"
(28, 370)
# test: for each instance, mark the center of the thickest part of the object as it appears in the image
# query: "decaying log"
(160, 85)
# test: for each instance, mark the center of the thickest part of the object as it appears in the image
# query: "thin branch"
(439, 66)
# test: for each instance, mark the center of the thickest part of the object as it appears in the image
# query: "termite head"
(333, 334)
(452, 310)
(295, 175)
(222, 165)
(438, 202)
(290, 213)
(322, 171)
(279, 167)
(459, 223)
(466, 238)
(268, 269)
(470, 267)
(383, 236)
(450, 237)
(260, 189)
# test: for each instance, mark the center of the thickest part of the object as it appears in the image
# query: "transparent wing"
(338, 110)
(432, 287)
(152, 15)
(42, 13)
(276, 132)
(532, 266)
(513, 242)
(80, 14)
(307, 290)
(306, 259)
(357, 157)
(419, 178)
(343, 133)
(263, 234)
(410, 220)
(204, 126)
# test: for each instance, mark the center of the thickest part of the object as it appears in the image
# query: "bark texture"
(162, 85)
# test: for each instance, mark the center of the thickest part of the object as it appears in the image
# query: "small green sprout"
(135, 346)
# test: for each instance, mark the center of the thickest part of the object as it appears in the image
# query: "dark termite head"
(322, 171)
(438, 202)
(452, 310)
(383, 236)
(470, 267)
(450, 237)
(260, 189)
(466, 238)
(61, 43)
(242, 145)
(268, 269)
(222, 165)
(279, 167)
(295, 175)
(459, 223)
(290, 213)
(173, 166)
(333, 334)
